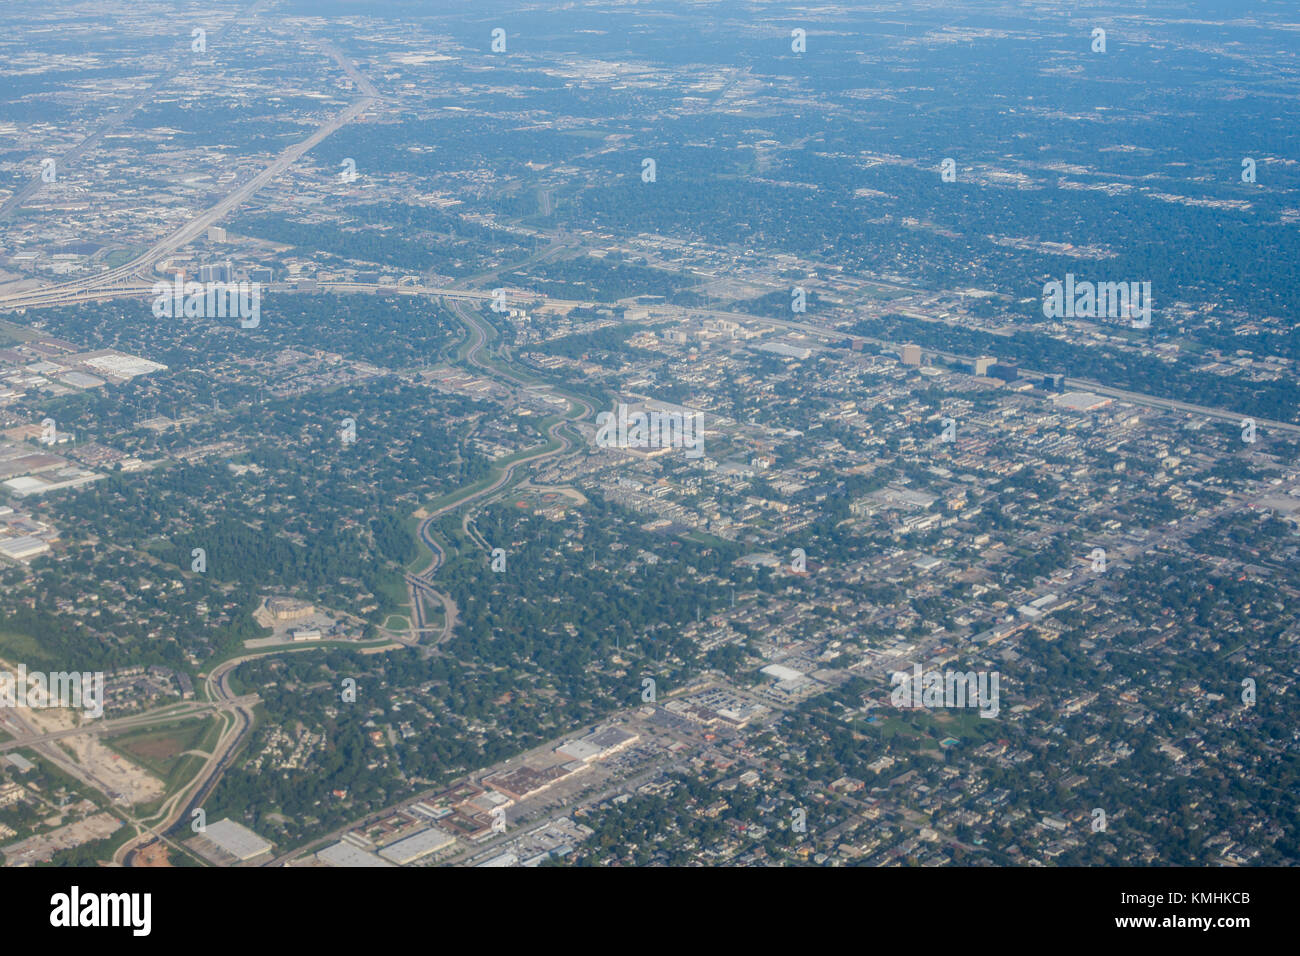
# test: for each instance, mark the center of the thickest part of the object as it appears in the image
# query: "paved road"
(232, 738)
(1136, 398)
(103, 728)
(75, 293)
(421, 585)
(133, 271)
(116, 119)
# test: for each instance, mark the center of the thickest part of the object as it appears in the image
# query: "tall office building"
(911, 354)
(220, 272)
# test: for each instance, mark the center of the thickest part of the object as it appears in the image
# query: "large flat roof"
(236, 839)
(417, 845)
(347, 854)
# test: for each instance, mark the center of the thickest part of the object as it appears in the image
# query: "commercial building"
(70, 477)
(289, 609)
(781, 672)
(418, 845)
(235, 839)
(220, 272)
(786, 350)
(344, 853)
(1082, 401)
(523, 782)
(23, 548)
(597, 745)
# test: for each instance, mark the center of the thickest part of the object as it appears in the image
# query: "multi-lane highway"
(116, 119)
(139, 268)
(120, 725)
(421, 585)
(1135, 398)
(239, 709)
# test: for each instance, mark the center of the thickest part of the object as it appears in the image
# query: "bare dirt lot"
(155, 854)
(110, 771)
(40, 848)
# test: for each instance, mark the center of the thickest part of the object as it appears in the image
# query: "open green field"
(704, 538)
(16, 648)
(120, 257)
(498, 467)
(392, 586)
(928, 727)
(10, 332)
(162, 749)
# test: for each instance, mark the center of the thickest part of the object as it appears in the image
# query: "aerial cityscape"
(661, 433)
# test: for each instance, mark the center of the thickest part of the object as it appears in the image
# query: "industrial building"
(417, 846)
(235, 840)
(344, 853)
(23, 548)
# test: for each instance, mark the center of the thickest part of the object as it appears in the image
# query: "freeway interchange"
(236, 711)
